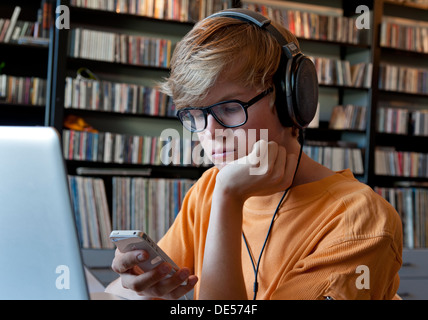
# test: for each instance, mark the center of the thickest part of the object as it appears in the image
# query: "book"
(391, 162)
(311, 22)
(419, 122)
(403, 79)
(119, 48)
(178, 10)
(349, 117)
(4, 29)
(91, 210)
(47, 18)
(393, 120)
(404, 34)
(336, 156)
(411, 204)
(116, 97)
(12, 24)
(108, 147)
(23, 90)
(342, 73)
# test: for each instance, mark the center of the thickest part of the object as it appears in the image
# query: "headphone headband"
(254, 18)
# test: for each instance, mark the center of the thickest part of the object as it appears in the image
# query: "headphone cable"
(256, 268)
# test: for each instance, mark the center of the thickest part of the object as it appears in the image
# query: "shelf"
(17, 46)
(189, 172)
(403, 94)
(111, 114)
(407, 4)
(335, 86)
(402, 142)
(21, 115)
(125, 21)
(325, 133)
(392, 181)
(404, 52)
(4, 104)
(20, 60)
(335, 43)
(111, 67)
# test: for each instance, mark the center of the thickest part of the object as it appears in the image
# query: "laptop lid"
(39, 247)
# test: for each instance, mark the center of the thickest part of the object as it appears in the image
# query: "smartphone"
(128, 240)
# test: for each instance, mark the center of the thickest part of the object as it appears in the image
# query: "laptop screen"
(39, 248)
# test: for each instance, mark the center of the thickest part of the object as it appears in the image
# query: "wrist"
(228, 196)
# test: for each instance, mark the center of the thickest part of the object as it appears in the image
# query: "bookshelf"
(386, 111)
(24, 32)
(401, 60)
(400, 54)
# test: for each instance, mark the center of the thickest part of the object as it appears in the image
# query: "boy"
(294, 229)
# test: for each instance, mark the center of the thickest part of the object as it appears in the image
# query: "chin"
(220, 166)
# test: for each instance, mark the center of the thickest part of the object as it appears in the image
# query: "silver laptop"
(40, 256)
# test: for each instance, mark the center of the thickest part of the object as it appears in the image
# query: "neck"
(308, 169)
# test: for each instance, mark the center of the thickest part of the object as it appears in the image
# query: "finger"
(183, 289)
(262, 158)
(149, 280)
(123, 262)
(173, 286)
(141, 283)
(260, 149)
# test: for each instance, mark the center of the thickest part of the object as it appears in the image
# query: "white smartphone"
(128, 240)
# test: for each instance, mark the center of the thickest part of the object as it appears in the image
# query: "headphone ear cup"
(281, 83)
(297, 96)
(305, 92)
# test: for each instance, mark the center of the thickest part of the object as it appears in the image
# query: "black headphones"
(296, 81)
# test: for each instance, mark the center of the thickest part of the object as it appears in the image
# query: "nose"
(212, 125)
(214, 130)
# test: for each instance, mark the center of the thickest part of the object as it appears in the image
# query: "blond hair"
(214, 46)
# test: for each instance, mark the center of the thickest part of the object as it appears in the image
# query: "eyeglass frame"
(207, 110)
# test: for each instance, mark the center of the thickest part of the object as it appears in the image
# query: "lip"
(221, 153)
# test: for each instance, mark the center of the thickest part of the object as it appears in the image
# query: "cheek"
(206, 144)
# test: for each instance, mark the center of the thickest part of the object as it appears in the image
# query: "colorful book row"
(390, 162)
(23, 90)
(336, 158)
(412, 205)
(116, 97)
(348, 117)
(179, 10)
(108, 147)
(313, 25)
(147, 204)
(403, 79)
(342, 73)
(119, 48)
(404, 35)
(91, 211)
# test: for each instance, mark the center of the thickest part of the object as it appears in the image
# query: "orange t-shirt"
(331, 238)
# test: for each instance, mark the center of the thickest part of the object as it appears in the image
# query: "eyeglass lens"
(227, 114)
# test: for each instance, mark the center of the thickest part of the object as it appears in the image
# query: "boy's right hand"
(150, 284)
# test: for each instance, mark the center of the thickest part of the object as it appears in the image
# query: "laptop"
(39, 248)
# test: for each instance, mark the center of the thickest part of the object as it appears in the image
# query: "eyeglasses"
(230, 113)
